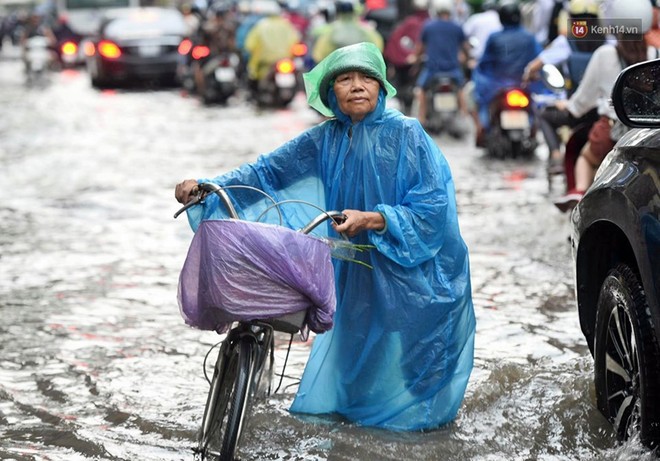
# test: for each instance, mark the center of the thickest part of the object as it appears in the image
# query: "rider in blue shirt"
(442, 41)
(503, 63)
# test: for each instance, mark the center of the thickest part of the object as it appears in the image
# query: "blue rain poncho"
(401, 351)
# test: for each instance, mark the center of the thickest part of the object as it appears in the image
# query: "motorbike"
(37, 57)
(69, 53)
(279, 86)
(442, 107)
(512, 132)
(219, 72)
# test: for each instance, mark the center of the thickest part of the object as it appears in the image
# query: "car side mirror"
(636, 95)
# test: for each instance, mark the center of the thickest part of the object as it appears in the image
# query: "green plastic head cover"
(363, 57)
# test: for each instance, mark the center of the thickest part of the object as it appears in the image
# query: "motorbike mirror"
(552, 77)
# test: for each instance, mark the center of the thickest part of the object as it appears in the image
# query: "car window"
(146, 23)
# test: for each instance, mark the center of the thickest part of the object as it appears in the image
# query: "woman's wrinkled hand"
(186, 190)
(357, 221)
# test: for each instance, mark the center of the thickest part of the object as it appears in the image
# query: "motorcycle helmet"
(489, 5)
(583, 8)
(420, 5)
(442, 6)
(509, 11)
(265, 7)
(344, 7)
(631, 10)
(219, 9)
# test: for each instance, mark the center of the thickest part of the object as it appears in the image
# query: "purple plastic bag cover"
(241, 270)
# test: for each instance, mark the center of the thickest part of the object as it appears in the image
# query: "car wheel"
(627, 358)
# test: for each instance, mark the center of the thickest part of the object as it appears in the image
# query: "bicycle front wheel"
(227, 415)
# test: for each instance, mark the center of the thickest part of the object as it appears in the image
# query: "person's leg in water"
(482, 122)
(420, 94)
(590, 158)
(551, 119)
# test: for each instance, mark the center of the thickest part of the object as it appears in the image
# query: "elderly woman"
(401, 351)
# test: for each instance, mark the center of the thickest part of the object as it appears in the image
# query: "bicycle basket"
(241, 270)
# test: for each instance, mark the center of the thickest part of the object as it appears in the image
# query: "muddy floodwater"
(97, 364)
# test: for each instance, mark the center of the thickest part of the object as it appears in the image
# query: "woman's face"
(357, 94)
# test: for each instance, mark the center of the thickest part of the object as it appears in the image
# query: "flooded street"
(97, 364)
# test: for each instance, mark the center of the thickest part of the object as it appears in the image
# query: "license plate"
(225, 74)
(149, 50)
(444, 102)
(514, 120)
(285, 80)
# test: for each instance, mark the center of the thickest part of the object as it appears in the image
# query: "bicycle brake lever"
(193, 202)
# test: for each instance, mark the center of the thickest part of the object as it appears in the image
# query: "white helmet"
(584, 7)
(442, 6)
(631, 10)
(420, 4)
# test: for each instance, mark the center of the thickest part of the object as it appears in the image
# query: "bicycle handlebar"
(206, 188)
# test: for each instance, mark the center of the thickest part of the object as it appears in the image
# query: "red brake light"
(516, 98)
(200, 51)
(69, 48)
(299, 49)
(285, 66)
(185, 46)
(109, 50)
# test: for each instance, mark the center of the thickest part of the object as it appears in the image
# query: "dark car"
(136, 44)
(616, 248)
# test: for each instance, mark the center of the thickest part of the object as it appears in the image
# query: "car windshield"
(146, 23)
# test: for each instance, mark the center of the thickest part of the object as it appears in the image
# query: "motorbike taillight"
(516, 98)
(109, 49)
(200, 52)
(185, 46)
(69, 48)
(285, 66)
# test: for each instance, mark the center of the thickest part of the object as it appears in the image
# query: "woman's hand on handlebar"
(186, 190)
(357, 221)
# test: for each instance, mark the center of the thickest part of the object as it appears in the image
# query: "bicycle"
(239, 369)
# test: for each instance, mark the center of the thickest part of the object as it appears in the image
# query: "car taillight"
(299, 50)
(109, 50)
(285, 66)
(516, 98)
(89, 49)
(200, 51)
(69, 48)
(185, 46)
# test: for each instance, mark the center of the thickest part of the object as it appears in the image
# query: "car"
(135, 45)
(615, 241)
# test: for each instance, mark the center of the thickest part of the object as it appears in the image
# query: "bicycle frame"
(241, 360)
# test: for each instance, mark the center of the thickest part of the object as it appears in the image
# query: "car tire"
(627, 358)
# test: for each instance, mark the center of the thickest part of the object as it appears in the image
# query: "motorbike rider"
(268, 41)
(218, 32)
(35, 26)
(400, 46)
(502, 64)
(573, 56)
(478, 27)
(596, 85)
(444, 46)
(346, 29)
